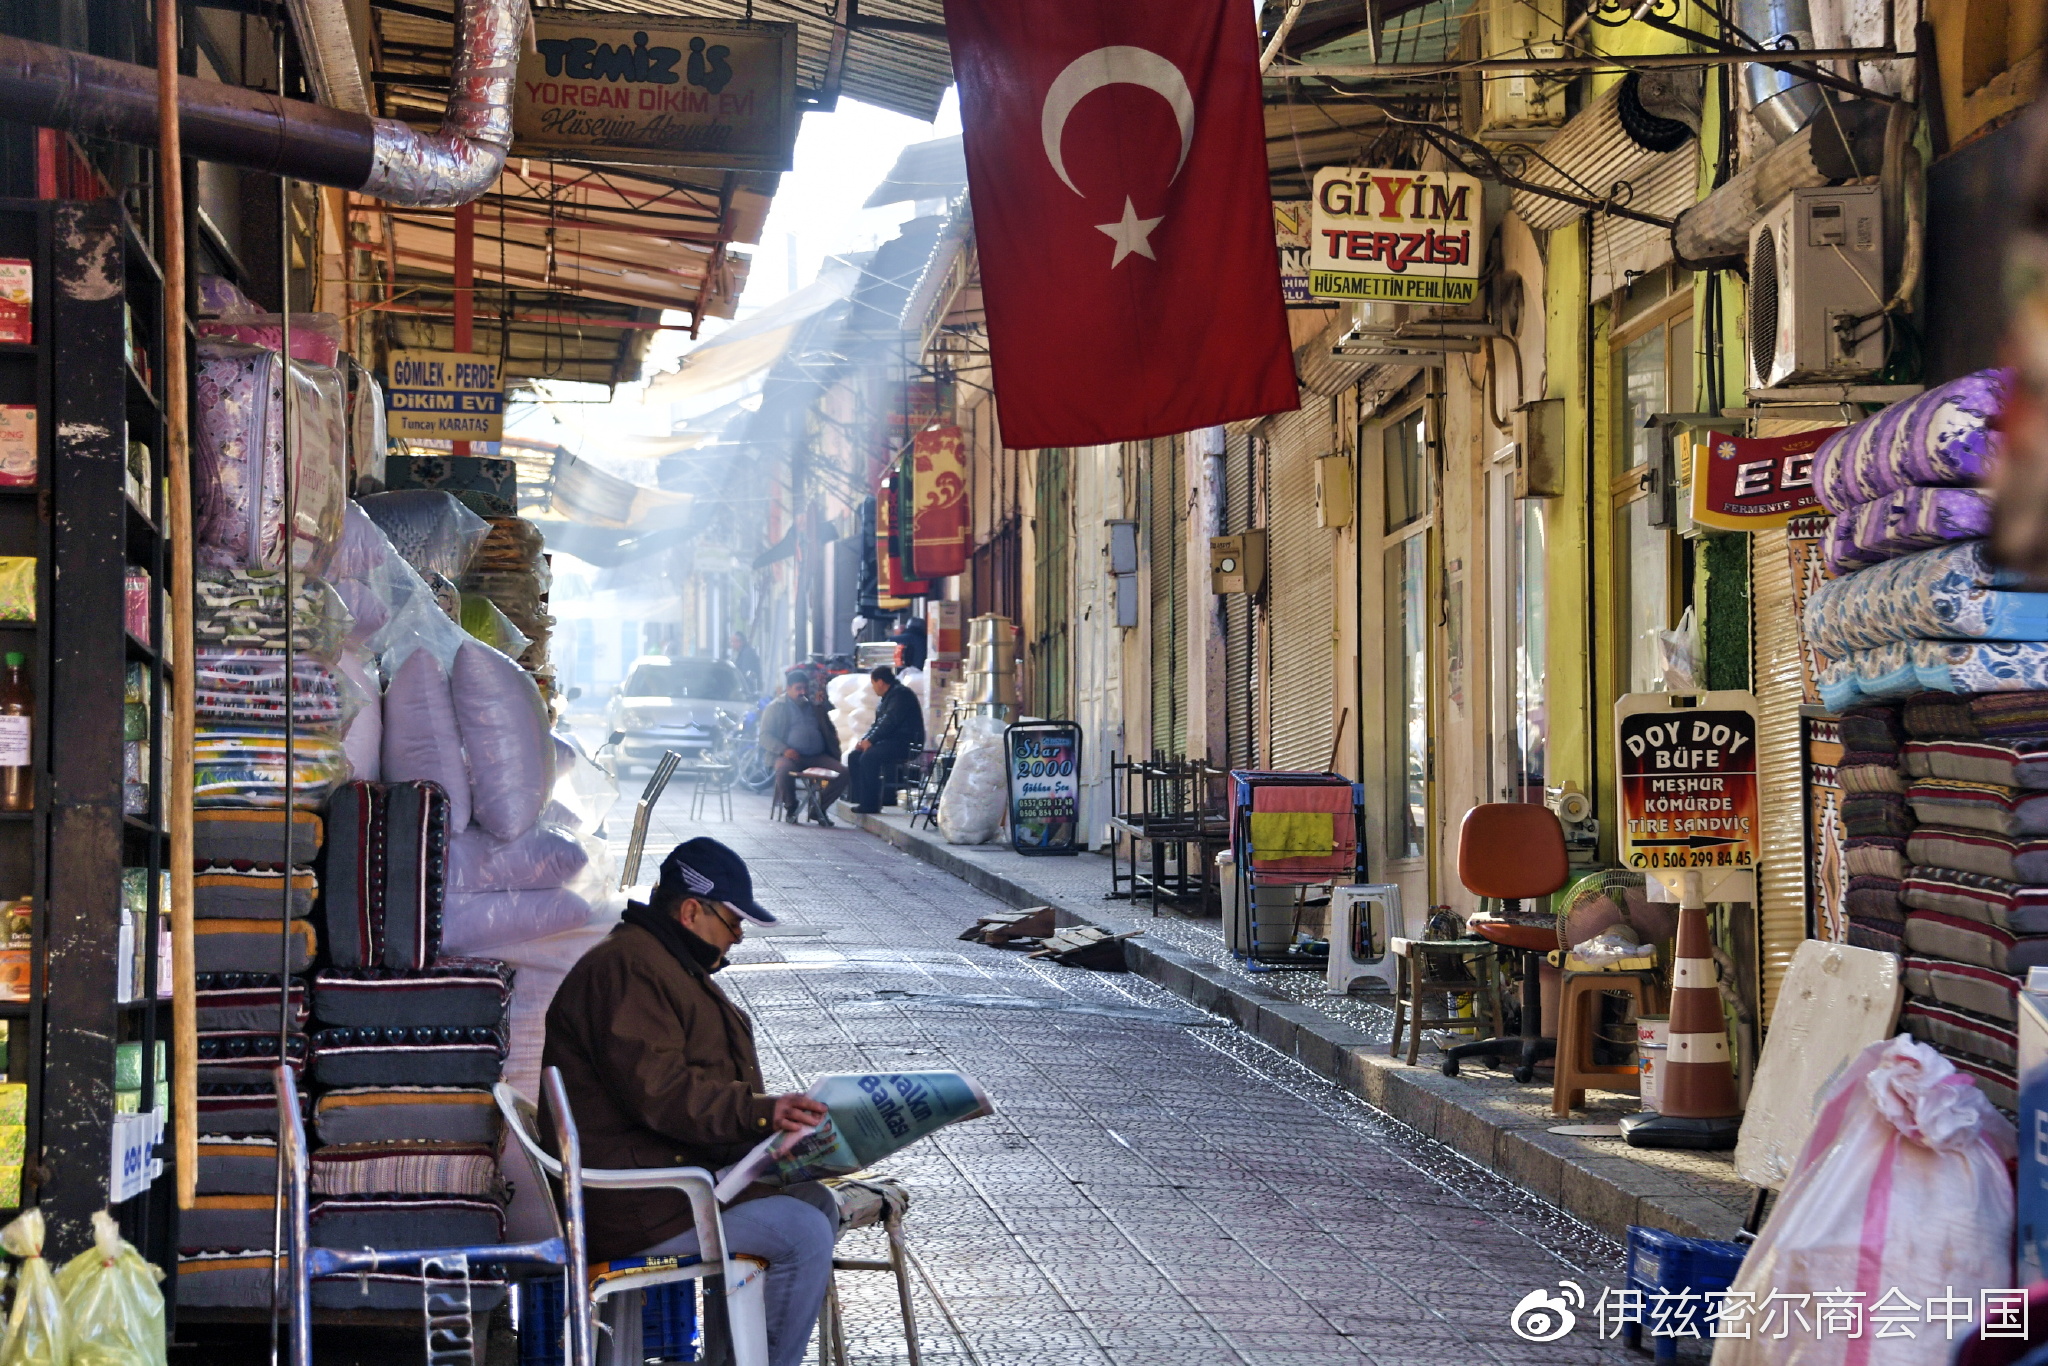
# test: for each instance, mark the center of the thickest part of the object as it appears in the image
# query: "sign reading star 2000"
(1410, 237)
(658, 90)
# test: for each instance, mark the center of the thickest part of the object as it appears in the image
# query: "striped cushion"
(252, 946)
(253, 891)
(1868, 815)
(1883, 937)
(229, 1221)
(400, 1223)
(345, 1058)
(1879, 775)
(1979, 806)
(239, 1109)
(2011, 906)
(2008, 763)
(237, 1164)
(223, 836)
(1953, 1032)
(246, 1056)
(406, 1167)
(454, 991)
(239, 1278)
(369, 1114)
(1978, 851)
(1999, 1084)
(1936, 935)
(1964, 986)
(248, 1001)
(1876, 856)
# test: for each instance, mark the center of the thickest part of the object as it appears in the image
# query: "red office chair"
(1513, 851)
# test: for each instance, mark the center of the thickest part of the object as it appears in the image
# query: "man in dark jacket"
(661, 1072)
(797, 733)
(899, 724)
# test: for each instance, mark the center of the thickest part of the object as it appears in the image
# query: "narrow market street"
(1156, 1187)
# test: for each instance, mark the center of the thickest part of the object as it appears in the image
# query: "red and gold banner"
(894, 581)
(939, 530)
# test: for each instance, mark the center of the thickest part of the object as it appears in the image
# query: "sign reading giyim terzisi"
(1402, 236)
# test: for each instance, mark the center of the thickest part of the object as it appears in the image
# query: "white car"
(666, 704)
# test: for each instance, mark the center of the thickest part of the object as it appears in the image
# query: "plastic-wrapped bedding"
(475, 921)
(542, 857)
(244, 766)
(1942, 437)
(1953, 1031)
(363, 740)
(2003, 857)
(316, 337)
(504, 730)
(430, 529)
(373, 1114)
(237, 1164)
(1903, 522)
(239, 454)
(1903, 668)
(2013, 907)
(1951, 593)
(245, 609)
(1965, 986)
(2008, 763)
(421, 739)
(248, 686)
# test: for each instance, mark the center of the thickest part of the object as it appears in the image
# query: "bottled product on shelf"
(17, 727)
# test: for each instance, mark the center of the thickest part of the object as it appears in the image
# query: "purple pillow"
(1904, 521)
(421, 743)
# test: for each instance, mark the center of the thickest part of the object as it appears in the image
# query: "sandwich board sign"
(1688, 792)
(1044, 762)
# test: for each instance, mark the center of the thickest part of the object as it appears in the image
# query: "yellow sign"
(658, 90)
(1403, 236)
(445, 396)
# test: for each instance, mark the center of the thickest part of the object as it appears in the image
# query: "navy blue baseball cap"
(710, 871)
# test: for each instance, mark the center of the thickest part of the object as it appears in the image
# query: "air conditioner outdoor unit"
(1520, 106)
(1816, 288)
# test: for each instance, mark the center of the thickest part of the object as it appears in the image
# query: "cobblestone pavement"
(1156, 1187)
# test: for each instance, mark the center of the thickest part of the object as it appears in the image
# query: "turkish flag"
(1116, 162)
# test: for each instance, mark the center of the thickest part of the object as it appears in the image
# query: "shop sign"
(1688, 791)
(1290, 234)
(658, 90)
(1751, 484)
(1411, 237)
(938, 496)
(445, 396)
(1045, 786)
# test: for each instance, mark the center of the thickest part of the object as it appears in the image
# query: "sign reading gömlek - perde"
(1407, 237)
(658, 90)
(445, 396)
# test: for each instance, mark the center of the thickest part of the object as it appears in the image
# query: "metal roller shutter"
(1239, 640)
(1780, 689)
(1300, 593)
(1666, 188)
(1166, 528)
(1587, 158)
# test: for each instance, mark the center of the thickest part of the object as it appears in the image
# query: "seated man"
(660, 1071)
(899, 724)
(797, 733)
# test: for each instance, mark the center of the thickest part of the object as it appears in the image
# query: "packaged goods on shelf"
(17, 588)
(137, 599)
(17, 299)
(20, 455)
(140, 477)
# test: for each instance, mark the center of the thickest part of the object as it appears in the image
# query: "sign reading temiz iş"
(1749, 484)
(1401, 236)
(445, 396)
(658, 90)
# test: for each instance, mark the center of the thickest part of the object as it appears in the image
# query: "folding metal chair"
(744, 1278)
(629, 871)
(444, 1272)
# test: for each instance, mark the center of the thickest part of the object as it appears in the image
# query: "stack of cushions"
(1976, 888)
(511, 573)
(1876, 821)
(1915, 604)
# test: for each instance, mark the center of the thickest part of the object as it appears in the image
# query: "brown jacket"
(661, 1071)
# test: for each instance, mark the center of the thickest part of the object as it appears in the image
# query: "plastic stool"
(1578, 1022)
(1412, 983)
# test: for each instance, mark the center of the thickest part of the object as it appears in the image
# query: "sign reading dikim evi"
(1408, 237)
(445, 396)
(658, 90)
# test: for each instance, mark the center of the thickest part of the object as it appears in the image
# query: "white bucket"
(1652, 1039)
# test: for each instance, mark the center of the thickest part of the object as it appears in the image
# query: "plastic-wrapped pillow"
(316, 337)
(474, 921)
(504, 727)
(480, 862)
(482, 619)
(363, 741)
(431, 529)
(421, 741)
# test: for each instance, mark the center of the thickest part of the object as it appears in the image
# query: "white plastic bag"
(977, 792)
(1678, 656)
(474, 921)
(504, 727)
(1901, 1192)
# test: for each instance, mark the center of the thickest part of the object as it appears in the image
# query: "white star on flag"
(1130, 235)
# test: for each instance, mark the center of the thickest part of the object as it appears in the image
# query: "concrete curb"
(1610, 1192)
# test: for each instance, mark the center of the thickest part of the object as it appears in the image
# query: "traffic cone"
(1696, 1085)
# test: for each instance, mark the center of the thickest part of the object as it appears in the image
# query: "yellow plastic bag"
(112, 1302)
(36, 1332)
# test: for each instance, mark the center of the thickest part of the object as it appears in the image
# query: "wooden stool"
(1578, 1023)
(1420, 968)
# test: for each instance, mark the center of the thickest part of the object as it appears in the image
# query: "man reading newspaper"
(661, 1071)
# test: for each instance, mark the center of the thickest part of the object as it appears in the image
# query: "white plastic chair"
(745, 1277)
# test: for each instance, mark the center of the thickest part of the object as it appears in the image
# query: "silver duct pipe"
(55, 87)
(1782, 101)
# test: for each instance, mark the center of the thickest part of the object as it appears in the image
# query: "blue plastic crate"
(1664, 1261)
(668, 1322)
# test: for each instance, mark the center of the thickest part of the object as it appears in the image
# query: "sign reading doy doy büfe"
(658, 90)
(1688, 790)
(445, 396)
(1750, 484)
(1401, 236)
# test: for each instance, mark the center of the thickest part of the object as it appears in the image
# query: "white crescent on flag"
(1091, 71)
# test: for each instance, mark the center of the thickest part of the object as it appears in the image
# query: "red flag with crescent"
(1116, 162)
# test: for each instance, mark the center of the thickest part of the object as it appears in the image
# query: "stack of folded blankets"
(1876, 822)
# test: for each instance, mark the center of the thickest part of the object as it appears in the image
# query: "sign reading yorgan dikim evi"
(658, 90)
(1410, 237)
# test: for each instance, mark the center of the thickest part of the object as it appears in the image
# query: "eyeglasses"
(731, 919)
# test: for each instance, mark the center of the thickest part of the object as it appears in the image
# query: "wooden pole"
(177, 797)
(465, 288)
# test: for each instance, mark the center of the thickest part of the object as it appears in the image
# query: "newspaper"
(868, 1116)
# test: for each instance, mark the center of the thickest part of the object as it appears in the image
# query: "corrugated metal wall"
(1301, 591)
(1622, 246)
(1166, 536)
(1780, 690)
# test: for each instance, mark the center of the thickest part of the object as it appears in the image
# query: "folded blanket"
(1875, 856)
(1903, 522)
(1937, 716)
(2013, 907)
(1875, 935)
(1966, 986)
(1873, 898)
(1979, 851)
(1951, 593)
(1978, 806)
(1870, 773)
(1874, 728)
(1867, 814)
(1941, 437)
(2008, 714)
(2006, 763)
